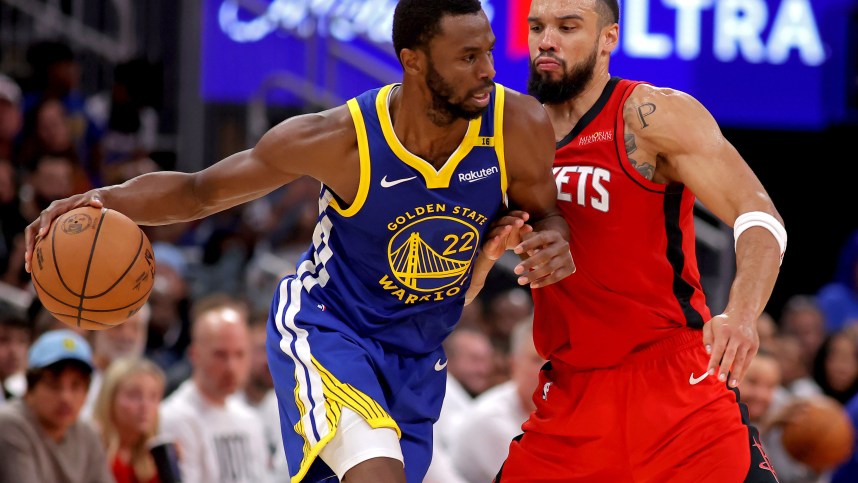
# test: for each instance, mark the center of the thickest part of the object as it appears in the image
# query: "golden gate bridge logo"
(441, 261)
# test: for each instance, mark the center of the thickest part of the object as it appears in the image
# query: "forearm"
(482, 267)
(757, 266)
(158, 198)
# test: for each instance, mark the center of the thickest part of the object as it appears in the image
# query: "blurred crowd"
(191, 368)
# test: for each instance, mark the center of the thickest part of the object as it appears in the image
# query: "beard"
(567, 87)
(443, 110)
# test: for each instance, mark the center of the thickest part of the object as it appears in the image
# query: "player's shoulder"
(518, 102)
(331, 131)
(653, 111)
(666, 97)
(334, 120)
(523, 112)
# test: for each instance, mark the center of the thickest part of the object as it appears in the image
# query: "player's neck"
(565, 115)
(211, 397)
(416, 129)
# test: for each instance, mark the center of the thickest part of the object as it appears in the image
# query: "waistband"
(684, 339)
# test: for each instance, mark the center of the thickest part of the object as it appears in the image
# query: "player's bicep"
(694, 152)
(529, 157)
(292, 149)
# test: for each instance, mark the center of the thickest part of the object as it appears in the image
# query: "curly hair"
(416, 22)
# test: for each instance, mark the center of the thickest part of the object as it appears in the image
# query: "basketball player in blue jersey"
(415, 177)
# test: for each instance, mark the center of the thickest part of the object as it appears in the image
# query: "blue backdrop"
(784, 64)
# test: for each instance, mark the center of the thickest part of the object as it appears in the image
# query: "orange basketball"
(821, 437)
(94, 269)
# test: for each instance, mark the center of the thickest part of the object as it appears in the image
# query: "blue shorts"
(320, 365)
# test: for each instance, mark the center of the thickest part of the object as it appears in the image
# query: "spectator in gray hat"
(42, 439)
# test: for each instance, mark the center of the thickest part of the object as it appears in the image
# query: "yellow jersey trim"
(365, 166)
(499, 103)
(434, 178)
(338, 395)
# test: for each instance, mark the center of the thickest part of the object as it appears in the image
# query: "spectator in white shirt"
(259, 394)
(482, 440)
(220, 438)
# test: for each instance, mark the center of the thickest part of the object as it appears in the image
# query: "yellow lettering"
(411, 299)
(386, 283)
(453, 291)
(420, 211)
(399, 294)
(440, 207)
(456, 210)
(392, 226)
(400, 220)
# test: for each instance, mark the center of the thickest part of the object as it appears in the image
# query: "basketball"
(822, 436)
(94, 269)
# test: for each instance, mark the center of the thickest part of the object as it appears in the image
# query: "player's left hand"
(548, 259)
(732, 341)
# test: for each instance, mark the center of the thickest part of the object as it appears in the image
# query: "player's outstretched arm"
(685, 144)
(529, 152)
(315, 144)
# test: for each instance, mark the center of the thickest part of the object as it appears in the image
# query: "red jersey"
(633, 244)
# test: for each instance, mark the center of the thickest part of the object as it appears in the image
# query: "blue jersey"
(394, 266)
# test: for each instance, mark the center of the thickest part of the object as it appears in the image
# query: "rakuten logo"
(473, 176)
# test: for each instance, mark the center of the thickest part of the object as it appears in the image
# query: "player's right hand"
(506, 233)
(39, 227)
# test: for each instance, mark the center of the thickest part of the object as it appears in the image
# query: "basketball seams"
(89, 264)
(130, 266)
(79, 319)
(112, 309)
(57, 223)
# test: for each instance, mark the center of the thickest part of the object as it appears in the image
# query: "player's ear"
(610, 37)
(412, 61)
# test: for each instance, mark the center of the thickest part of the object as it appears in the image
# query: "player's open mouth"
(482, 99)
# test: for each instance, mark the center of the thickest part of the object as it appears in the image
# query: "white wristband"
(763, 220)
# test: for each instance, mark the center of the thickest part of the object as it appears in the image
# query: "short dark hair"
(35, 375)
(16, 322)
(12, 317)
(416, 22)
(613, 16)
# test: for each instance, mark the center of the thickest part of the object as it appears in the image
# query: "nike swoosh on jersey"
(440, 367)
(387, 184)
(696, 380)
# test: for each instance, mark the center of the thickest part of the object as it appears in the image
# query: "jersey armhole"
(363, 153)
(499, 143)
(623, 156)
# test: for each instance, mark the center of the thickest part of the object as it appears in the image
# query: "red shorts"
(651, 419)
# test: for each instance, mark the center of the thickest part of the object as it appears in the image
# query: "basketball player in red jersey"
(641, 380)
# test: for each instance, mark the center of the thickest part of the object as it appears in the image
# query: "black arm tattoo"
(645, 169)
(645, 110)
